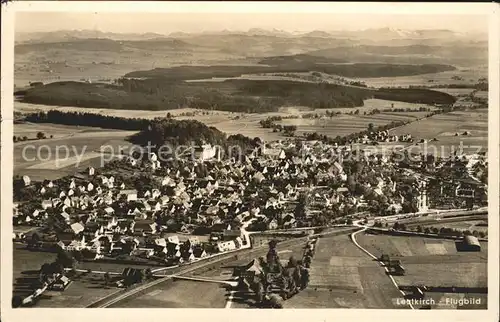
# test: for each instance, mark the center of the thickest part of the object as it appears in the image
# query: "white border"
(8, 12)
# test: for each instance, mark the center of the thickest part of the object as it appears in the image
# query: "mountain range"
(379, 34)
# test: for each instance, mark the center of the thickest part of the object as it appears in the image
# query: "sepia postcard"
(238, 155)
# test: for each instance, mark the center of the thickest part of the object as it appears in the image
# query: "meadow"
(467, 76)
(456, 91)
(444, 127)
(346, 124)
(431, 261)
(60, 156)
(470, 225)
(342, 276)
(248, 123)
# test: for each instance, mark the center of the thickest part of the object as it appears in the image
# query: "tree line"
(87, 119)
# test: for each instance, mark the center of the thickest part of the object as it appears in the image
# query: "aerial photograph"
(250, 160)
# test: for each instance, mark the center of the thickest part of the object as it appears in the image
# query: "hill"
(236, 95)
(104, 44)
(413, 53)
(291, 64)
(260, 43)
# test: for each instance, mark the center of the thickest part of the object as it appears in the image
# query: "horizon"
(168, 23)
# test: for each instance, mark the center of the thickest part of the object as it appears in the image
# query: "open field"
(31, 108)
(56, 130)
(469, 76)
(82, 291)
(455, 91)
(444, 126)
(481, 94)
(462, 225)
(431, 261)
(25, 268)
(204, 294)
(347, 124)
(180, 294)
(67, 154)
(248, 123)
(342, 276)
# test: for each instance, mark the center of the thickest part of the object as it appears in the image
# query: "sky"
(165, 23)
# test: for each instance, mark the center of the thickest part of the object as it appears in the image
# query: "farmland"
(462, 76)
(56, 130)
(347, 124)
(248, 124)
(82, 291)
(72, 149)
(444, 127)
(471, 225)
(421, 256)
(342, 276)
(456, 91)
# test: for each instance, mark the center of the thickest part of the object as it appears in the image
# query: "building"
(225, 246)
(61, 284)
(131, 195)
(26, 180)
(470, 244)
(206, 152)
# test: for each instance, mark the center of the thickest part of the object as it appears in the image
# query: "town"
(143, 211)
(257, 167)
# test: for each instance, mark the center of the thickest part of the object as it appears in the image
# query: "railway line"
(191, 270)
(214, 263)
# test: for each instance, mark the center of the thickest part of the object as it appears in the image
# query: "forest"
(234, 95)
(291, 64)
(158, 131)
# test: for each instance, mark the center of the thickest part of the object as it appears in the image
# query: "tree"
(40, 135)
(290, 130)
(370, 127)
(419, 229)
(302, 206)
(148, 274)
(17, 301)
(106, 279)
(15, 138)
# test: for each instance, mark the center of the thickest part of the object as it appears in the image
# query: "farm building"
(470, 244)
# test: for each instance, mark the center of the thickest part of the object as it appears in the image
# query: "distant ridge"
(374, 34)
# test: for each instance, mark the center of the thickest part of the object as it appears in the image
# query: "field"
(456, 91)
(445, 126)
(31, 108)
(25, 267)
(469, 76)
(248, 123)
(431, 262)
(347, 124)
(179, 294)
(72, 149)
(470, 225)
(342, 276)
(481, 94)
(82, 291)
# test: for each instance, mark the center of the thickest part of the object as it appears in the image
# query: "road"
(353, 238)
(170, 292)
(346, 275)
